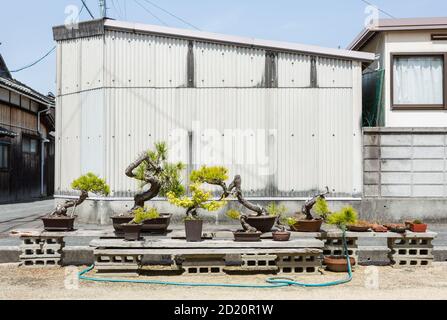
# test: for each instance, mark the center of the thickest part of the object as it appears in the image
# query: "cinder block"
(429, 152)
(396, 140)
(41, 262)
(371, 140)
(396, 191)
(371, 190)
(396, 152)
(428, 140)
(428, 165)
(396, 178)
(371, 178)
(371, 165)
(396, 165)
(371, 152)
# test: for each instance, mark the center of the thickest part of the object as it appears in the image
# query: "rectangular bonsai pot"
(419, 228)
(58, 223)
(158, 225)
(118, 221)
(132, 232)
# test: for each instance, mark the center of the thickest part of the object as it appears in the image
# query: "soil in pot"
(119, 220)
(398, 228)
(58, 223)
(307, 225)
(132, 232)
(193, 230)
(281, 236)
(337, 263)
(262, 223)
(242, 236)
(157, 225)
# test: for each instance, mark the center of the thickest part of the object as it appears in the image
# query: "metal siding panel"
(92, 63)
(334, 73)
(293, 70)
(70, 66)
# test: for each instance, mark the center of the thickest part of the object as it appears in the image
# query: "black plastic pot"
(58, 223)
(193, 230)
(262, 223)
(132, 232)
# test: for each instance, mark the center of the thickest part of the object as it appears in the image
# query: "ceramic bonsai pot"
(158, 225)
(337, 263)
(58, 223)
(397, 228)
(193, 230)
(132, 232)
(379, 228)
(417, 227)
(119, 220)
(262, 223)
(281, 236)
(307, 225)
(354, 228)
(242, 236)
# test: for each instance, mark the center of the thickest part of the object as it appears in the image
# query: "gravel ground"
(394, 283)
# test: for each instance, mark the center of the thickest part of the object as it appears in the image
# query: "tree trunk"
(61, 209)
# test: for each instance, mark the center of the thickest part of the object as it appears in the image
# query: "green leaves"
(209, 175)
(233, 214)
(91, 183)
(347, 215)
(147, 213)
(276, 210)
(322, 208)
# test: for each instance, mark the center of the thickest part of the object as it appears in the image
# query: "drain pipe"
(42, 148)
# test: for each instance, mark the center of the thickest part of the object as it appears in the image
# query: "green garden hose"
(274, 282)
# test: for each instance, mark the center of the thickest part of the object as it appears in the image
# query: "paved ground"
(426, 283)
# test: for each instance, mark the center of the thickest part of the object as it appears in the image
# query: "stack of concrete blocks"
(333, 246)
(300, 263)
(411, 251)
(251, 262)
(117, 262)
(212, 264)
(41, 251)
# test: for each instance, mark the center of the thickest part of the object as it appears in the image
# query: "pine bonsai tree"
(85, 184)
(152, 168)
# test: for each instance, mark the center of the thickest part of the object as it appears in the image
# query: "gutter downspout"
(42, 149)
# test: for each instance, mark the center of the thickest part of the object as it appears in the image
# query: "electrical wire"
(86, 7)
(150, 12)
(383, 11)
(172, 15)
(34, 63)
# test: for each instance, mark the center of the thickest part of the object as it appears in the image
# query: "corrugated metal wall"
(298, 138)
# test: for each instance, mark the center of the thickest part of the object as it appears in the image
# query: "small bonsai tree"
(199, 199)
(346, 216)
(152, 168)
(85, 184)
(322, 208)
(143, 214)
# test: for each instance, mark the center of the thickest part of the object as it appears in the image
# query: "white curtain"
(418, 80)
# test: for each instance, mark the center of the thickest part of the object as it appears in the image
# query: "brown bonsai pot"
(158, 225)
(337, 263)
(354, 228)
(58, 223)
(417, 227)
(242, 236)
(132, 232)
(262, 223)
(397, 228)
(307, 225)
(379, 228)
(193, 230)
(119, 220)
(281, 236)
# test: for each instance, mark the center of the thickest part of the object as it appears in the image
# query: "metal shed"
(123, 86)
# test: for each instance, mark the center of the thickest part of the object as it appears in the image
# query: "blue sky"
(26, 34)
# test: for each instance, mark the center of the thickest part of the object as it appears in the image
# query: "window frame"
(426, 107)
(8, 150)
(30, 137)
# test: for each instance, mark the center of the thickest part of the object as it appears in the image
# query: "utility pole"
(103, 8)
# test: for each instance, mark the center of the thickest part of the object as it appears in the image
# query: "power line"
(150, 12)
(172, 15)
(383, 11)
(86, 7)
(34, 63)
(117, 8)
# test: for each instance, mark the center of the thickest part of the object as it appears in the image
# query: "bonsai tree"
(199, 199)
(143, 214)
(322, 209)
(85, 184)
(152, 168)
(346, 216)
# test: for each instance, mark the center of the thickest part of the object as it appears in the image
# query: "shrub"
(322, 208)
(91, 183)
(347, 215)
(145, 214)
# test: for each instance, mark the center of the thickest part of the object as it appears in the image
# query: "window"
(4, 156)
(29, 145)
(418, 81)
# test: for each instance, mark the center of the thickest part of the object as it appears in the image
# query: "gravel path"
(426, 283)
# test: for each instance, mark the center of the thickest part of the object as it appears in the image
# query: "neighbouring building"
(26, 141)
(123, 86)
(405, 114)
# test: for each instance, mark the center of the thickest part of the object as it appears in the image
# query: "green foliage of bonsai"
(417, 221)
(347, 215)
(321, 208)
(290, 221)
(168, 174)
(199, 199)
(233, 214)
(276, 210)
(209, 175)
(148, 213)
(91, 183)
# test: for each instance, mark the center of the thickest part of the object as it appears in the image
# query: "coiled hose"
(274, 282)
